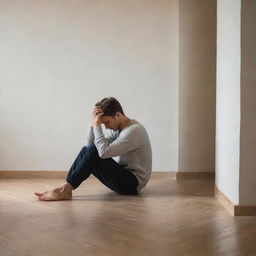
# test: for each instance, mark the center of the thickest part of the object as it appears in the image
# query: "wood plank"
(168, 217)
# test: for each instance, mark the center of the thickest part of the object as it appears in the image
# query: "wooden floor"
(166, 218)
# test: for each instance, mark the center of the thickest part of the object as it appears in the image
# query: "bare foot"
(60, 193)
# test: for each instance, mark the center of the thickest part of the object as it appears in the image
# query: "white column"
(228, 98)
(236, 101)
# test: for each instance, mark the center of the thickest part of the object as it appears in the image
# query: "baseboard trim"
(62, 174)
(234, 210)
(33, 174)
(222, 198)
(59, 174)
(194, 175)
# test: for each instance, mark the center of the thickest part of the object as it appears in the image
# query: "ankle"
(66, 187)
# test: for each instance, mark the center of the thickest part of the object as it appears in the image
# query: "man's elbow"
(103, 155)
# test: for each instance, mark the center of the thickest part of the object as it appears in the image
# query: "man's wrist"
(95, 125)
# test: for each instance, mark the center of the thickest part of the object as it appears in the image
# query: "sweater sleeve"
(90, 137)
(122, 144)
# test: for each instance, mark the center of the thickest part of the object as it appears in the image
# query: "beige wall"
(197, 72)
(59, 57)
(248, 103)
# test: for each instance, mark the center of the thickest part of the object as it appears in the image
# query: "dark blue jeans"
(108, 171)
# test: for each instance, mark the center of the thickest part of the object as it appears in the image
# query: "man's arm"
(124, 143)
(97, 112)
(90, 137)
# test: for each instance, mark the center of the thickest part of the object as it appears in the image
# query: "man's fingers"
(97, 109)
(98, 112)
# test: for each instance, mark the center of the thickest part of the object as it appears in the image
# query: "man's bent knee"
(92, 149)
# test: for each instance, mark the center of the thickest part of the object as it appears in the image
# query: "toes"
(40, 194)
(44, 198)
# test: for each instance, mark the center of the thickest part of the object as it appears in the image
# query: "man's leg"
(79, 171)
(116, 177)
(108, 171)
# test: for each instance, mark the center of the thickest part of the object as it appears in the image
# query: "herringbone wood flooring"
(166, 218)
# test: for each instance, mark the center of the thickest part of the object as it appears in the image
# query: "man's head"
(113, 116)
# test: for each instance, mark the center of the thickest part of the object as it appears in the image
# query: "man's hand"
(96, 116)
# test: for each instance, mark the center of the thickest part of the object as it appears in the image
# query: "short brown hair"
(110, 106)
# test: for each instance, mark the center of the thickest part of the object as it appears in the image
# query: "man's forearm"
(90, 136)
(95, 124)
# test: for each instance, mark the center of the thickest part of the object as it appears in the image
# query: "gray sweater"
(131, 148)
